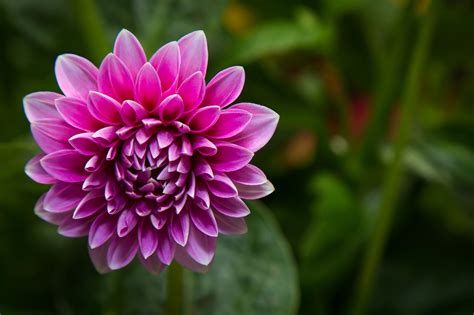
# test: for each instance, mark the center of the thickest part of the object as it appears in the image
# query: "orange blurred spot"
(238, 19)
(300, 149)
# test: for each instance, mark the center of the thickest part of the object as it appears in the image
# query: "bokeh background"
(373, 159)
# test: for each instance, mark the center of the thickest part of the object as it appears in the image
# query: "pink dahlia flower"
(144, 157)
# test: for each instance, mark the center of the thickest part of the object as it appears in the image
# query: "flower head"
(144, 157)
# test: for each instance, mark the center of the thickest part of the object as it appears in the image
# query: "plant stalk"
(175, 301)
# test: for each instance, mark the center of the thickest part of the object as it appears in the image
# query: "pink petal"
(76, 76)
(51, 217)
(122, 251)
(230, 157)
(104, 108)
(230, 123)
(92, 203)
(40, 106)
(204, 146)
(46, 143)
(147, 239)
(192, 91)
(148, 87)
(63, 197)
(102, 229)
(53, 130)
(115, 79)
(180, 228)
(166, 247)
(200, 247)
(260, 129)
(99, 258)
(132, 112)
(203, 119)
(255, 191)
(204, 221)
(225, 87)
(75, 112)
(222, 186)
(128, 49)
(74, 228)
(230, 226)
(167, 62)
(171, 108)
(95, 180)
(248, 175)
(65, 165)
(232, 207)
(183, 258)
(193, 49)
(37, 173)
(85, 144)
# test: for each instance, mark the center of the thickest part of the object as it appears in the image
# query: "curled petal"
(248, 175)
(85, 144)
(122, 251)
(115, 79)
(200, 246)
(76, 76)
(40, 106)
(132, 112)
(75, 112)
(192, 91)
(167, 62)
(63, 197)
(104, 108)
(148, 87)
(230, 123)
(147, 239)
(230, 157)
(65, 165)
(102, 230)
(180, 228)
(166, 247)
(203, 119)
(232, 207)
(128, 49)
(92, 203)
(255, 191)
(37, 173)
(222, 186)
(71, 227)
(204, 221)
(51, 217)
(46, 142)
(171, 108)
(260, 129)
(225, 87)
(193, 49)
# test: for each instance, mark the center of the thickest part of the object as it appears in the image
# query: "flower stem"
(175, 290)
(392, 182)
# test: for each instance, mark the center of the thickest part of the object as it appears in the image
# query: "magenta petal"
(185, 260)
(203, 145)
(204, 221)
(147, 239)
(46, 142)
(225, 87)
(193, 48)
(76, 76)
(51, 217)
(104, 108)
(230, 226)
(230, 157)
(99, 258)
(53, 130)
(222, 186)
(204, 118)
(63, 197)
(40, 106)
(171, 108)
(255, 191)
(65, 165)
(230, 123)
(192, 91)
(122, 251)
(200, 246)
(37, 173)
(167, 62)
(92, 203)
(132, 112)
(128, 49)
(180, 228)
(148, 87)
(126, 223)
(232, 207)
(74, 227)
(166, 247)
(260, 129)
(76, 113)
(85, 144)
(115, 79)
(102, 230)
(248, 175)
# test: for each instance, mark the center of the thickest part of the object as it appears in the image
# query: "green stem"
(391, 187)
(92, 27)
(175, 290)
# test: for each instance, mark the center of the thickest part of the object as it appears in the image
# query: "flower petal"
(225, 87)
(46, 142)
(167, 62)
(180, 228)
(76, 76)
(75, 112)
(153, 264)
(102, 229)
(85, 144)
(132, 112)
(193, 49)
(183, 258)
(40, 106)
(63, 197)
(230, 123)
(200, 246)
(74, 228)
(222, 186)
(203, 119)
(260, 129)
(166, 247)
(122, 251)
(230, 226)
(104, 108)
(255, 191)
(232, 207)
(115, 79)
(148, 87)
(128, 49)
(171, 108)
(230, 157)
(51, 217)
(204, 221)
(127, 222)
(99, 258)
(248, 175)
(36, 172)
(192, 91)
(92, 203)
(147, 239)
(65, 165)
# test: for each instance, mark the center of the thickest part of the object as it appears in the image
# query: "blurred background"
(373, 159)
